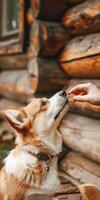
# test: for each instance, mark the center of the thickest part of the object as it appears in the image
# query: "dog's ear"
(18, 119)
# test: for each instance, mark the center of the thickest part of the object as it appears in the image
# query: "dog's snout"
(63, 94)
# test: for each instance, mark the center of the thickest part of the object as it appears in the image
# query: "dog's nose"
(63, 94)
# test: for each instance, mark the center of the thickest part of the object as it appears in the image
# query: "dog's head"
(38, 117)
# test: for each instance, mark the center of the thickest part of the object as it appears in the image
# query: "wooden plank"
(81, 169)
(83, 18)
(13, 62)
(81, 47)
(83, 68)
(67, 188)
(48, 38)
(81, 134)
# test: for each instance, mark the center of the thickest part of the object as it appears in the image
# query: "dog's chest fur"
(28, 171)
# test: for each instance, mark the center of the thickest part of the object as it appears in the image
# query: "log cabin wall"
(61, 48)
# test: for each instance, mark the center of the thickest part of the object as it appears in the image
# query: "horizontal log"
(6, 103)
(80, 169)
(83, 18)
(81, 47)
(13, 46)
(13, 62)
(82, 134)
(49, 10)
(84, 108)
(83, 68)
(73, 2)
(51, 77)
(17, 85)
(48, 38)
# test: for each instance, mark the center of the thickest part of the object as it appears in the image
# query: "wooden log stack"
(63, 51)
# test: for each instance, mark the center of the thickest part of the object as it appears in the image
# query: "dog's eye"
(44, 102)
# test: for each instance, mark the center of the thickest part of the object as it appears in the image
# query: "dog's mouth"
(57, 115)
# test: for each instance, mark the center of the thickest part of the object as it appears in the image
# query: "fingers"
(81, 98)
(79, 88)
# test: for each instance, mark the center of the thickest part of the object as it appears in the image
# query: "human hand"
(86, 92)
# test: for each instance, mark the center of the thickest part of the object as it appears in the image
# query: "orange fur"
(35, 125)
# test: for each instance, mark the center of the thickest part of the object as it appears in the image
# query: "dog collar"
(41, 156)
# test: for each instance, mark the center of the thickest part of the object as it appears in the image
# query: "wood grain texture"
(81, 57)
(81, 47)
(53, 9)
(13, 62)
(67, 191)
(10, 47)
(17, 85)
(81, 169)
(83, 68)
(83, 18)
(48, 38)
(6, 103)
(50, 77)
(81, 134)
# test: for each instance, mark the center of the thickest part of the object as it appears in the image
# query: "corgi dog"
(31, 167)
